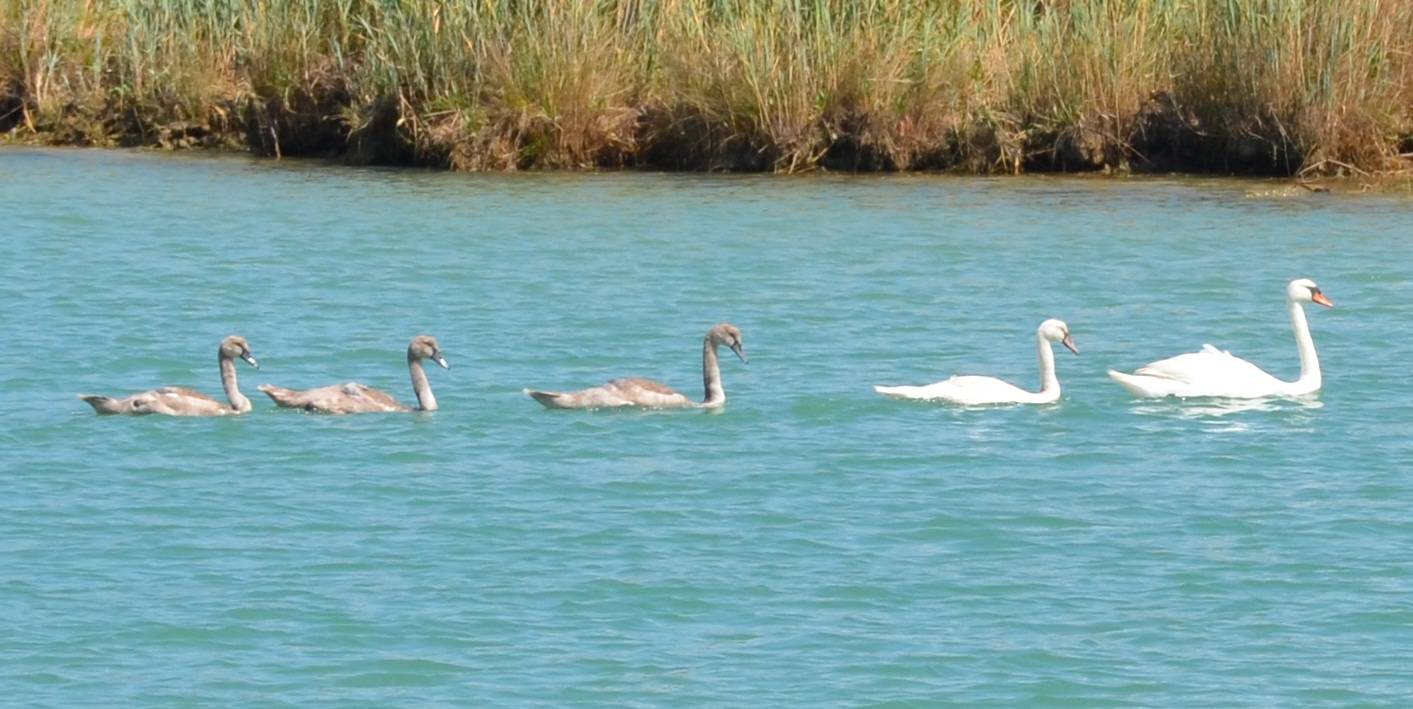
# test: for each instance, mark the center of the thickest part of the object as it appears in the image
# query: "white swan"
(978, 391)
(1213, 372)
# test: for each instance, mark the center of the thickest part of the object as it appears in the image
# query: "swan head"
(729, 335)
(236, 346)
(1057, 331)
(426, 347)
(1304, 290)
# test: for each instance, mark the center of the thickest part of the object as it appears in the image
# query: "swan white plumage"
(979, 391)
(1214, 372)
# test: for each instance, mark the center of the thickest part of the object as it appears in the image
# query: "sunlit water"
(812, 544)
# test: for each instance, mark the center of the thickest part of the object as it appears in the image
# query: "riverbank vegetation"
(1242, 86)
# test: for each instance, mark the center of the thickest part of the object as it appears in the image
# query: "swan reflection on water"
(1215, 408)
(1214, 412)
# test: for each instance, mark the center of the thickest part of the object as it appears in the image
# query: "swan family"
(1209, 372)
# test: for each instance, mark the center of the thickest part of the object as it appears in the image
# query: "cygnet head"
(426, 347)
(729, 335)
(1304, 290)
(236, 346)
(1057, 331)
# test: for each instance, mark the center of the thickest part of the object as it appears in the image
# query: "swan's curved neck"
(1309, 361)
(232, 387)
(711, 375)
(1049, 383)
(425, 400)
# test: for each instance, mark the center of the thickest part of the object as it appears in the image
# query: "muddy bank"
(1159, 137)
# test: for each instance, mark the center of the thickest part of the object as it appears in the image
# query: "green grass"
(1273, 86)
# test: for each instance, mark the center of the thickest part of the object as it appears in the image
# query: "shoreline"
(1263, 186)
(1171, 148)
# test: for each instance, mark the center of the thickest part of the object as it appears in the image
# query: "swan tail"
(280, 395)
(550, 399)
(1131, 382)
(898, 392)
(102, 404)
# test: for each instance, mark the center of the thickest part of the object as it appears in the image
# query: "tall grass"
(1277, 86)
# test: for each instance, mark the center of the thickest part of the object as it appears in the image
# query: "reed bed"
(1247, 86)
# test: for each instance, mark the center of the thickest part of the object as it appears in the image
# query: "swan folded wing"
(962, 389)
(356, 397)
(180, 393)
(376, 397)
(642, 392)
(1206, 366)
(178, 401)
(613, 394)
(346, 398)
(973, 389)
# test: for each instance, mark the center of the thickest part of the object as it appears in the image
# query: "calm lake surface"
(812, 544)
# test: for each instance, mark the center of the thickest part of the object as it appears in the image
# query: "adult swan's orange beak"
(1320, 298)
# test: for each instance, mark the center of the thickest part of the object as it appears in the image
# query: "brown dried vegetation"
(1240, 86)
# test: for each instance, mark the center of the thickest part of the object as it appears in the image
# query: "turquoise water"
(813, 544)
